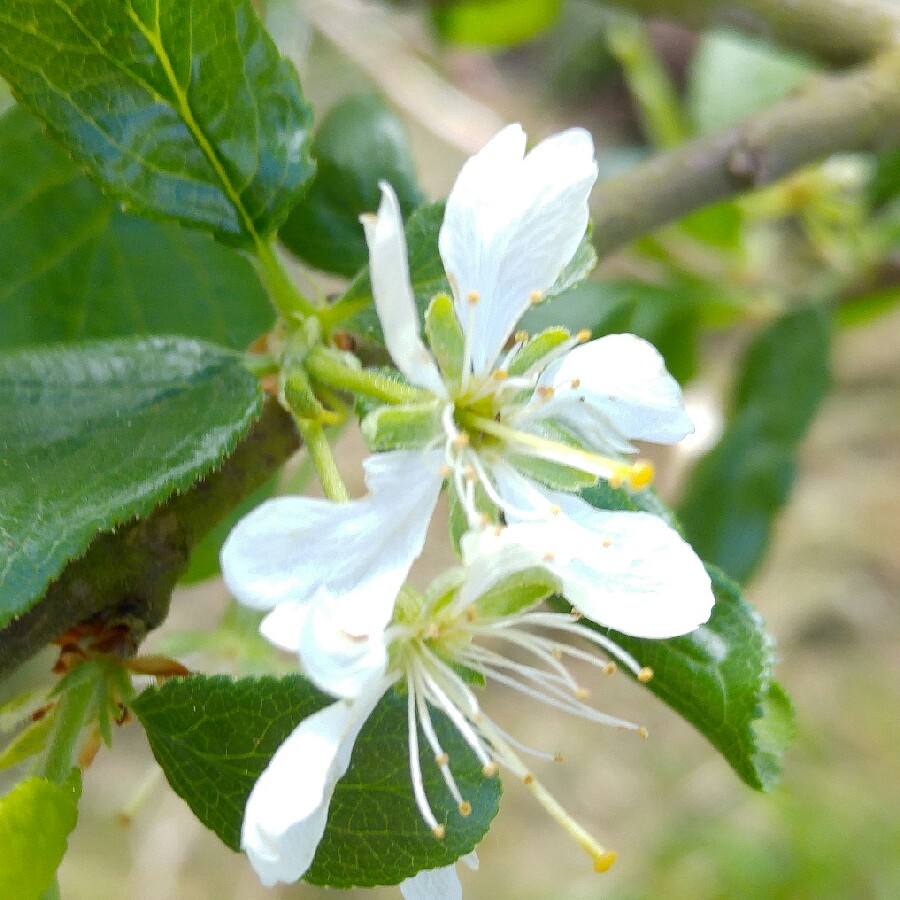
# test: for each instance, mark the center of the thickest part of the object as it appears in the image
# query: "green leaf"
(72, 265)
(27, 743)
(359, 143)
(36, 818)
(719, 678)
(184, 109)
(213, 738)
(665, 315)
(884, 185)
(93, 435)
(736, 491)
(732, 76)
(494, 23)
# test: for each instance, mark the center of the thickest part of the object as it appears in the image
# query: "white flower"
(462, 623)
(523, 430)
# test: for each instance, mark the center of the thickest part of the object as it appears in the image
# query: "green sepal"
(28, 742)
(408, 426)
(579, 267)
(516, 593)
(536, 348)
(446, 339)
(552, 474)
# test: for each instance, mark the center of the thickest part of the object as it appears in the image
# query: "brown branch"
(838, 32)
(856, 112)
(126, 577)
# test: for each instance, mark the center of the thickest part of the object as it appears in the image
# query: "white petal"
(433, 884)
(290, 548)
(284, 625)
(394, 300)
(288, 807)
(625, 379)
(342, 643)
(510, 228)
(627, 570)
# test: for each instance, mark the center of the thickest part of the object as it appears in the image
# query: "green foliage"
(183, 109)
(95, 434)
(213, 738)
(667, 316)
(359, 143)
(72, 265)
(36, 818)
(494, 23)
(733, 76)
(736, 490)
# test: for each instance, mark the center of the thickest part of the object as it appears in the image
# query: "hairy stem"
(839, 32)
(319, 450)
(856, 112)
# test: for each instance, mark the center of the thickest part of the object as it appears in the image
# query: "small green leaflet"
(36, 818)
(494, 23)
(719, 677)
(213, 737)
(184, 109)
(92, 435)
(735, 492)
(359, 143)
(73, 266)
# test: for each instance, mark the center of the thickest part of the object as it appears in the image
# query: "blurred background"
(683, 824)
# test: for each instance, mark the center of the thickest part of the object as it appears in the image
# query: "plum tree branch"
(853, 112)
(839, 32)
(126, 577)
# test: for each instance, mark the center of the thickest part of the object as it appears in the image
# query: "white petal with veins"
(433, 884)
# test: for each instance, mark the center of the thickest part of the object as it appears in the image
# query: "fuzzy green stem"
(325, 369)
(323, 459)
(652, 89)
(71, 714)
(282, 291)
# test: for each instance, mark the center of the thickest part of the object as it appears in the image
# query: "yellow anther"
(545, 393)
(478, 718)
(536, 296)
(641, 474)
(471, 614)
(606, 542)
(461, 440)
(528, 778)
(643, 733)
(485, 520)
(555, 509)
(432, 632)
(445, 470)
(499, 374)
(603, 861)
(498, 530)
(489, 770)
(576, 615)
(439, 832)
(470, 473)
(558, 757)
(442, 759)
(520, 337)
(645, 675)
(355, 638)
(473, 297)
(615, 480)
(610, 669)
(583, 335)
(575, 383)
(582, 693)
(556, 653)
(549, 557)
(465, 808)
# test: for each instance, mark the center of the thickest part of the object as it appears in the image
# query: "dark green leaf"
(359, 143)
(494, 23)
(667, 316)
(72, 265)
(884, 185)
(213, 737)
(36, 818)
(736, 490)
(182, 108)
(92, 435)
